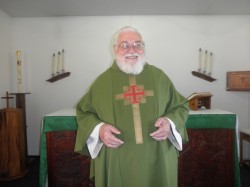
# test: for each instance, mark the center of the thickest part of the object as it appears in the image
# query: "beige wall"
(4, 62)
(172, 43)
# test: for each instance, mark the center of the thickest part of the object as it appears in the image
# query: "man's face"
(129, 48)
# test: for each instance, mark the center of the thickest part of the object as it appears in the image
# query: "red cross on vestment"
(135, 94)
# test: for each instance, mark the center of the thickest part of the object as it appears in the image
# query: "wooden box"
(238, 81)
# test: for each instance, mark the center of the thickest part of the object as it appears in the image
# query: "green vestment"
(149, 163)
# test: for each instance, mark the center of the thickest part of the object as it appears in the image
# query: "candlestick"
(58, 63)
(205, 63)
(53, 64)
(63, 61)
(199, 67)
(19, 71)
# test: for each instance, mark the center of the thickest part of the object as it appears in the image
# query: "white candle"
(210, 64)
(205, 63)
(199, 67)
(19, 71)
(58, 63)
(63, 60)
(53, 64)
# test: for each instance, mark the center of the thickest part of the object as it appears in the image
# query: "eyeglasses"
(124, 47)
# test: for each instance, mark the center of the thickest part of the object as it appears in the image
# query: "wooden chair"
(244, 135)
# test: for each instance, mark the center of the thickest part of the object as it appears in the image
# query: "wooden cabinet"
(207, 160)
(65, 167)
(12, 144)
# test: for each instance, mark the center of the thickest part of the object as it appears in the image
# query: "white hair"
(125, 29)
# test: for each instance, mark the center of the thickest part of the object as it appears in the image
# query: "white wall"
(172, 43)
(4, 62)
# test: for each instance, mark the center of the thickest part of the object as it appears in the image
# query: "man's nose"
(131, 49)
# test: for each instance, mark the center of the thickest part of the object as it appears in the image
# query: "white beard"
(132, 68)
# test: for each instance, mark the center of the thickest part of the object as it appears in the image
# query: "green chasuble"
(132, 103)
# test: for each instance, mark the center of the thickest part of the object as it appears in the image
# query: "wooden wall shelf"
(203, 76)
(58, 77)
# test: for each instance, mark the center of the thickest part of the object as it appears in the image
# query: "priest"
(132, 121)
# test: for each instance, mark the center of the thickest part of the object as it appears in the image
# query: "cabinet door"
(65, 167)
(207, 160)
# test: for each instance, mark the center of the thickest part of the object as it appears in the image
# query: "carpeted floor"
(32, 178)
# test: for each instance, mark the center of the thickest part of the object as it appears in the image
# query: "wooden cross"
(7, 98)
(135, 94)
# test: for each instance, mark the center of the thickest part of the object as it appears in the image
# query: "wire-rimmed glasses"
(124, 47)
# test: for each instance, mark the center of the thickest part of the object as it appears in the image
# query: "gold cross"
(135, 94)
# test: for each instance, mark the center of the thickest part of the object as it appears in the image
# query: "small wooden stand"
(199, 100)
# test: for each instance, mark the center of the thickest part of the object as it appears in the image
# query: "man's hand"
(163, 130)
(107, 135)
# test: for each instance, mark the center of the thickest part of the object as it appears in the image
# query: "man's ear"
(115, 49)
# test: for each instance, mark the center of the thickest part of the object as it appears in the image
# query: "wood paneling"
(207, 160)
(65, 167)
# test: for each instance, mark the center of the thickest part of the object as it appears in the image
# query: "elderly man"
(132, 121)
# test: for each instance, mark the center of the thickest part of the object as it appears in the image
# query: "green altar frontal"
(65, 120)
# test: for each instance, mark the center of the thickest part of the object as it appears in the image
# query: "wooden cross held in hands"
(7, 99)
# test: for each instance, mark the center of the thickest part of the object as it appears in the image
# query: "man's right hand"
(107, 136)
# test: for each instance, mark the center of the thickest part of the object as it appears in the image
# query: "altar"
(209, 159)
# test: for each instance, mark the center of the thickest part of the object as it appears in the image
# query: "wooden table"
(214, 128)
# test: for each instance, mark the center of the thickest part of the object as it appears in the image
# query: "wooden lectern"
(200, 100)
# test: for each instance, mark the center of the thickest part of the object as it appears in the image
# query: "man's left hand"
(163, 130)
